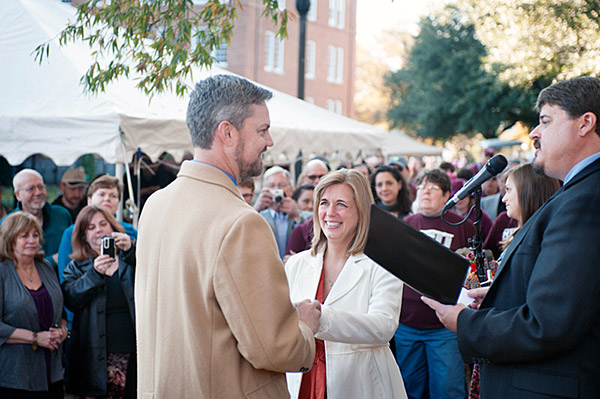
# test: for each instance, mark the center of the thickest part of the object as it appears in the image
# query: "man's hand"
(448, 314)
(477, 294)
(289, 207)
(264, 200)
(310, 313)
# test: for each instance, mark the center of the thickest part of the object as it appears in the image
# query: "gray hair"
(18, 179)
(274, 170)
(221, 98)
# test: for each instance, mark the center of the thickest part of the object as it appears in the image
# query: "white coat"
(358, 319)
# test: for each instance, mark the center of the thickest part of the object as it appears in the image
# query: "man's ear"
(226, 133)
(588, 123)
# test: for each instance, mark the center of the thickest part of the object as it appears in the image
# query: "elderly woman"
(360, 300)
(391, 191)
(32, 327)
(98, 289)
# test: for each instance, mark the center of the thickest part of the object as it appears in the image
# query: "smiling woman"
(360, 300)
(98, 289)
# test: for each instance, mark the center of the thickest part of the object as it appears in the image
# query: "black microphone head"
(496, 164)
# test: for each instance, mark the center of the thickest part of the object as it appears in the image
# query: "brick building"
(256, 53)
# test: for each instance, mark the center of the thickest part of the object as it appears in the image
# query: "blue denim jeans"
(430, 363)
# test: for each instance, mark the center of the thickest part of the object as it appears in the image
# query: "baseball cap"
(398, 160)
(74, 177)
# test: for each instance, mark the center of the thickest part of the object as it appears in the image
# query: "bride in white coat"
(360, 300)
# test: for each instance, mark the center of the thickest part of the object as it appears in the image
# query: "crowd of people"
(253, 283)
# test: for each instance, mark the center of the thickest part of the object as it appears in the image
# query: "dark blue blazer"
(537, 333)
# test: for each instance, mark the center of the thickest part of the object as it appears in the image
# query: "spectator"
(360, 300)
(3, 209)
(426, 351)
(246, 188)
(282, 214)
(104, 191)
(98, 289)
(314, 171)
(30, 192)
(449, 169)
(526, 192)
(32, 327)
(303, 196)
(464, 206)
(364, 169)
(72, 186)
(400, 163)
(391, 191)
(502, 228)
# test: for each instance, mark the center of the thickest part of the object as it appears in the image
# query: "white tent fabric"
(43, 109)
(398, 143)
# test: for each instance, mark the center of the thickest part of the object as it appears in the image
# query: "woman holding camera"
(32, 326)
(360, 300)
(98, 289)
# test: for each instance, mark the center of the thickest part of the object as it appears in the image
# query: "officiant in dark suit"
(536, 332)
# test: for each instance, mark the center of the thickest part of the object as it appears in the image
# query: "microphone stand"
(477, 241)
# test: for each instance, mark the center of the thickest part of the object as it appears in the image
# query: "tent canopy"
(398, 143)
(43, 109)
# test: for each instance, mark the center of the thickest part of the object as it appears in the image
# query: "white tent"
(398, 143)
(43, 110)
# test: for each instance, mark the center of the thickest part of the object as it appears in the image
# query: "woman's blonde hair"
(15, 224)
(363, 198)
(81, 248)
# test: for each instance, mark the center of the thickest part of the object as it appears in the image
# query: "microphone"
(489, 170)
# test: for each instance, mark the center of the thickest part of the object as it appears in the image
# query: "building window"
(337, 13)
(274, 53)
(312, 11)
(335, 68)
(311, 55)
(334, 106)
(338, 107)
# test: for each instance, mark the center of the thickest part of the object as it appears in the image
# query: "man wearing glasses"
(427, 353)
(313, 172)
(30, 192)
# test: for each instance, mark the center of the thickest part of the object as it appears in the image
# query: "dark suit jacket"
(537, 333)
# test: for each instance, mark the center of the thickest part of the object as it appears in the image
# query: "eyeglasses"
(281, 185)
(431, 187)
(29, 189)
(314, 177)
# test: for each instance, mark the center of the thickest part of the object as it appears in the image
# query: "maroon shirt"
(502, 223)
(301, 238)
(414, 312)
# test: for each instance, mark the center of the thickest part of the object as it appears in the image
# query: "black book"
(421, 262)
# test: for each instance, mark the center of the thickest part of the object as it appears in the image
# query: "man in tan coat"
(214, 319)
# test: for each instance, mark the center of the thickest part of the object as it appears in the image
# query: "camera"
(277, 194)
(108, 246)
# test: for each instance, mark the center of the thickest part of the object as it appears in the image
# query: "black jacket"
(84, 290)
(537, 333)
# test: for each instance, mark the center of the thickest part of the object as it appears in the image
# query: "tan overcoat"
(214, 318)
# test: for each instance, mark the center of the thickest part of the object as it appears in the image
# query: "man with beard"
(30, 192)
(535, 333)
(214, 318)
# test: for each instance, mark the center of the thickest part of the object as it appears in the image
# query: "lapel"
(518, 238)
(308, 278)
(349, 276)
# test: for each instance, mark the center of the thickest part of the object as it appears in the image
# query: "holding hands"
(310, 313)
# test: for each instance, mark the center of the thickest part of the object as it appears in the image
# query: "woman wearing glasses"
(427, 353)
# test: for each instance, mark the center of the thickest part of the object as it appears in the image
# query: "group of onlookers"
(77, 298)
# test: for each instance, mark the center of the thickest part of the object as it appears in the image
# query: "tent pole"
(119, 175)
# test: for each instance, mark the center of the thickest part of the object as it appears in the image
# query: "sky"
(374, 16)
